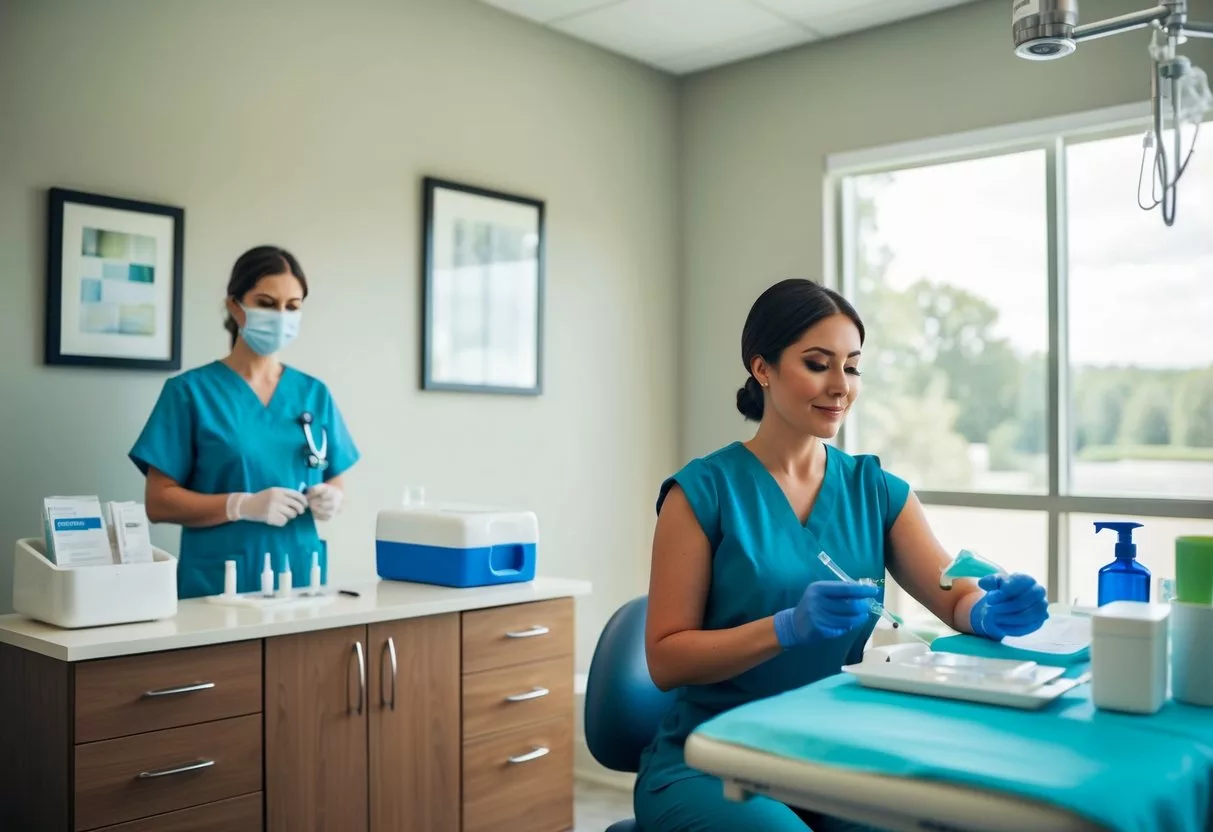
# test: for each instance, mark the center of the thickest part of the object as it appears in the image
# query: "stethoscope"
(316, 457)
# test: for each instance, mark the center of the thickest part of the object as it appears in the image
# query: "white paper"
(76, 533)
(1060, 635)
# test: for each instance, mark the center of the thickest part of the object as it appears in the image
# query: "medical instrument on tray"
(967, 564)
(1045, 30)
(875, 605)
(317, 457)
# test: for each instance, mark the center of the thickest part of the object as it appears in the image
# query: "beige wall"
(756, 135)
(309, 124)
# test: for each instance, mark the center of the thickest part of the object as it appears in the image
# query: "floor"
(597, 807)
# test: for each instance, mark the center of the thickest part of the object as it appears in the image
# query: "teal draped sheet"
(1126, 772)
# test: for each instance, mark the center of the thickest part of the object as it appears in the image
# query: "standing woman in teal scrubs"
(739, 606)
(247, 453)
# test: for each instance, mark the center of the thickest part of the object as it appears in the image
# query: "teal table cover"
(1126, 772)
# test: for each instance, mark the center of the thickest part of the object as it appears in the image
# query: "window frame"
(1052, 136)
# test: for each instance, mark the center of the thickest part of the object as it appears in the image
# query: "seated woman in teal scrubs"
(739, 606)
(246, 453)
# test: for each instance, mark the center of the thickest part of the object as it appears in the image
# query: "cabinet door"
(316, 731)
(414, 725)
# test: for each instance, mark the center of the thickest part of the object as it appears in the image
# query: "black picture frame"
(509, 226)
(114, 296)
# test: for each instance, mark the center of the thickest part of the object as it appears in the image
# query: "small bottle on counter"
(284, 578)
(267, 577)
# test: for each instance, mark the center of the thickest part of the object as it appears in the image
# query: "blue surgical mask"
(267, 331)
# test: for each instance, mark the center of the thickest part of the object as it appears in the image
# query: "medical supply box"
(1129, 641)
(95, 595)
(456, 545)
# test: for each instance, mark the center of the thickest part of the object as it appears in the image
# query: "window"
(1038, 353)
(1141, 309)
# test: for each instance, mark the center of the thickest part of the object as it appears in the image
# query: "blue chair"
(623, 708)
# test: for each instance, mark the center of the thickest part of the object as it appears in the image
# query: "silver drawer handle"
(182, 769)
(533, 693)
(539, 751)
(357, 651)
(183, 689)
(538, 630)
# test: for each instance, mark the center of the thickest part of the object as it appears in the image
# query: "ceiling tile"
(724, 53)
(868, 15)
(545, 11)
(807, 11)
(658, 30)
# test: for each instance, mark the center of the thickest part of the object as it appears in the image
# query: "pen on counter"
(349, 592)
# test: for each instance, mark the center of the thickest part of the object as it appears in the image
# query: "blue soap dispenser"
(1124, 579)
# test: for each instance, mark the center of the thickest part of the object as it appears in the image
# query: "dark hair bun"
(749, 400)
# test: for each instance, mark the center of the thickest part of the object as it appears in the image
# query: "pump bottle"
(1124, 579)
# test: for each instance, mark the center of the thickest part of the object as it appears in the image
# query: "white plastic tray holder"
(92, 596)
(1024, 685)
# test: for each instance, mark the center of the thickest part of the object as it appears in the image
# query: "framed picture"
(483, 290)
(113, 282)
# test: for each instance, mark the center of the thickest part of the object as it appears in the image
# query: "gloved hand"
(827, 609)
(1013, 606)
(324, 500)
(275, 506)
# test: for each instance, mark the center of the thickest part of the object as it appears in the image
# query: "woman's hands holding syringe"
(827, 609)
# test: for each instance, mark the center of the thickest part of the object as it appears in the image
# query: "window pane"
(1155, 549)
(948, 267)
(1017, 541)
(1140, 311)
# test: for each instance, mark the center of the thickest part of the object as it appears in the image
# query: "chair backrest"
(623, 708)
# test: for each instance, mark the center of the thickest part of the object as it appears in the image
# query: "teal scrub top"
(211, 434)
(762, 560)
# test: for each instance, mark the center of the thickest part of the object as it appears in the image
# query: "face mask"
(267, 331)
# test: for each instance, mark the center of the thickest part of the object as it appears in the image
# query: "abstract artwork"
(113, 282)
(483, 290)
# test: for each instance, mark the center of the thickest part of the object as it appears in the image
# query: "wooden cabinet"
(441, 723)
(315, 730)
(518, 718)
(414, 725)
(169, 741)
(362, 728)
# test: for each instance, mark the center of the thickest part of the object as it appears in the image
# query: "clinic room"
(606, 415)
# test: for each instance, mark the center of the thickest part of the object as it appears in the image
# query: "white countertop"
(199, 622)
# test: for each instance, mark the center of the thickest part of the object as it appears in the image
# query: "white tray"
(92, 596)
(889, 672)
(256, 600)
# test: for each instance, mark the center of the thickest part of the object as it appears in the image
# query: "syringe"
(876, 606)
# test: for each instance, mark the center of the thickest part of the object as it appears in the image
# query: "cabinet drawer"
(505, 636)
(507, 785)
(236, 814)
(510, 697)
(133, 694)
(149, 774)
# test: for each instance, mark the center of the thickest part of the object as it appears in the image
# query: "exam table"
(897, 804)
(900, 761)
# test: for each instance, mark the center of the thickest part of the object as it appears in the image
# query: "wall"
(756, 135)
(310, 124)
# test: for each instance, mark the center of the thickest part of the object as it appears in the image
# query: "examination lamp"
(1045, 30)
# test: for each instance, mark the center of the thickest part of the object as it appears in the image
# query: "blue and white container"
(456, 545)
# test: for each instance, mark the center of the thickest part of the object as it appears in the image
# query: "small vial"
(284, 579)
(314, 578)
(229, 578)
(267, 577)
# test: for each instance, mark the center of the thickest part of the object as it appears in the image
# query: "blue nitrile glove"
(827, 609)
(1012, 606)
